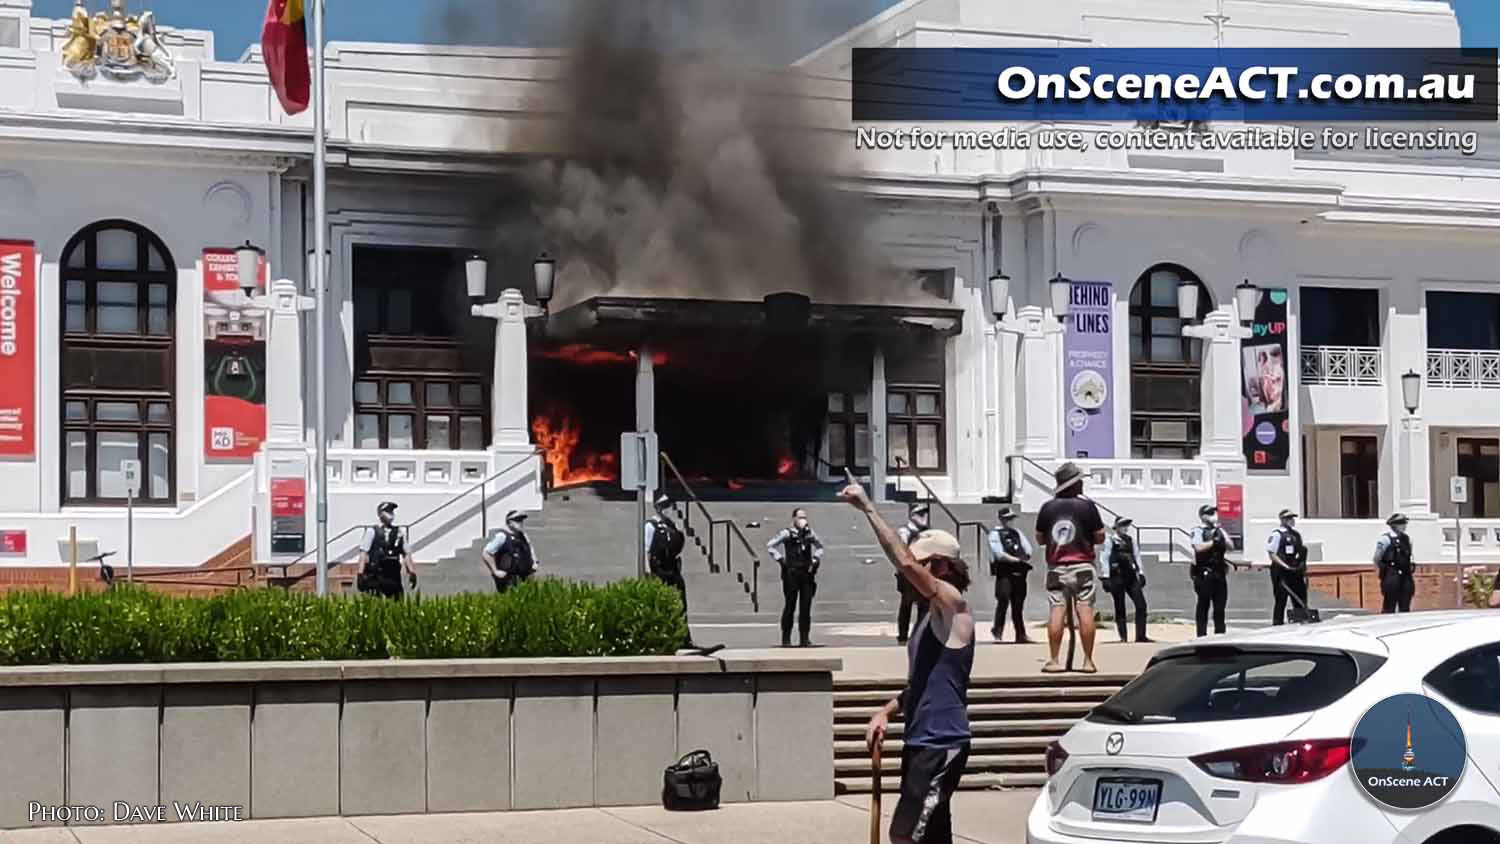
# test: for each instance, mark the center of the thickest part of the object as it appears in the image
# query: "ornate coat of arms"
(117, 45)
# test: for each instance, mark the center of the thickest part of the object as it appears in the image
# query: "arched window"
(1165, 367)
(119, 289)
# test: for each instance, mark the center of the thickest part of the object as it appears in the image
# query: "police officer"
(1010, 560)
(1288, 556)
(917, 520)
(799, 551)
(1210, 571)
(664, 543)
(510, 556)
(1124, 576)
(383, 555)
(1393, 562)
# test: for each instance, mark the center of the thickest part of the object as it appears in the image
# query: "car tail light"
(1056, 756)
(1286, 762)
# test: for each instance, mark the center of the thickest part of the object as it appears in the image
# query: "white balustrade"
(1463, 369)
(421, 471)
(1342, 365)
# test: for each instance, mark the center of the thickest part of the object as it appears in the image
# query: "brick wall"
(206, 579)
(1360, 587)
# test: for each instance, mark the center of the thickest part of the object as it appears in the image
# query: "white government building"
(129, 185)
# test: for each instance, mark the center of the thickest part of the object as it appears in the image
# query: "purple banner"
(1089, 372)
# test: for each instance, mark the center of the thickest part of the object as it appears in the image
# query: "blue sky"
(791, 27)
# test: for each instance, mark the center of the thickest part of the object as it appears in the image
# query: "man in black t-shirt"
(1070, 527)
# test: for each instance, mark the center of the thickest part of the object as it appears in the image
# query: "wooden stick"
(875, 794)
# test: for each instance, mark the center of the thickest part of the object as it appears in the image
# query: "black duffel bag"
(692, 784)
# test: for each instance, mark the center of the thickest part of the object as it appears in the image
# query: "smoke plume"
(681, 165)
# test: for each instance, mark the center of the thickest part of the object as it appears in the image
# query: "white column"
(1221, 334)
(284, 362)
(879, 450)
(1415, 499)
(1406, 351)
(1039, 384)
(510, 427)
(645, 406)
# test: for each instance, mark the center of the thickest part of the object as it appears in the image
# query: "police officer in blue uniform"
(383, 555)
(1288, 555)
(1010, 563)
(510, 556)
(799, 551)
(664, 543)
(1125, 577)
(1393, 562)
(1210, 569)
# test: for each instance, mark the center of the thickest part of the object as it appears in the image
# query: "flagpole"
(320, 271)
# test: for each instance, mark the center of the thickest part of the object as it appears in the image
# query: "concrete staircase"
(1013, 720)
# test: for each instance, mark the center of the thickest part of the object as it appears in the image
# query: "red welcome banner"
(17, 348)
(234, 354)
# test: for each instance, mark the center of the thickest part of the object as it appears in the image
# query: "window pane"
(156, 294)
(1217, 686)
(895, 404)
(838, 445)
(1164, 288)
(398, 392)
(77, 293)
(117, 411)
(399, 431)
(366, 312)
(835, 402)
(900, 447)
(366, 431)
(158, 411)
(78, 449)
(437, 432)
(1166, 327)
(78, 257)
(117, 250)
(398, 312)
(470, 395)
(367, 392)
(156, 321)
(1137, 347)
(861, 444)
(77, 318)
(927, 446)
(439, 394)
(862, 403)
(117, 301)
(927, 404)
(113, 448)
(158, 263)
(1166, 349)
(1471, 679)
(76, 410)
(471, 433)
(158, 457)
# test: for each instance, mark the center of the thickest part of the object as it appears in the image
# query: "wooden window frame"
(164, 345)
(1142, 367)
(911, 420)
(849, 418)
(418, 410)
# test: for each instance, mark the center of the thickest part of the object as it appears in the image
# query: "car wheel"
(1466, 835)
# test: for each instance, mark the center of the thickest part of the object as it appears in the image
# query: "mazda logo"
(1114, 744)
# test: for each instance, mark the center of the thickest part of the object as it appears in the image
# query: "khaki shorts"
(1081, 578)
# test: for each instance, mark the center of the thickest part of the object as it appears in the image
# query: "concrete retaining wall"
(274, 740)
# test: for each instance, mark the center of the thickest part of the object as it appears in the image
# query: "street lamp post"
(509, 423)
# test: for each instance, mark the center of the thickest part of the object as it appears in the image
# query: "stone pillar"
(510, 426)
(645, 405)
(1039, 384)
(879, 450)
(1221, 334)
(283, 456)
(1413, 447)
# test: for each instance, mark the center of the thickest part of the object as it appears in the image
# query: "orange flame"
(557, 436)
(584, 354)
(786, 467)
(735, 485)
(657, 358)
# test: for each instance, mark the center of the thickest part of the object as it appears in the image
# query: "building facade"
(123, 194)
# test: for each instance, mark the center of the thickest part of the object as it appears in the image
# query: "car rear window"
(1225, 684)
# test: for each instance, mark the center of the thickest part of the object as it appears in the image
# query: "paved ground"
(994, 817)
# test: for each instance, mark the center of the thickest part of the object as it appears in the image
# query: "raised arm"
(900, 555)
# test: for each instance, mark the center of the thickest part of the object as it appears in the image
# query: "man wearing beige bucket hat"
(1070, 528)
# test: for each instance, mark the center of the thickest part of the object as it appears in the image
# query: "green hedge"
(542, 618)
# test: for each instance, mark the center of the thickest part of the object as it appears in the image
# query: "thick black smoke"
(683, 166)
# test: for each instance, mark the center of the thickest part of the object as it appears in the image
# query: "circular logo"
(1063, 533)
(1408, 752)
(1078, 419)
(1114, 744)
(1089, 390)
(1265, 433)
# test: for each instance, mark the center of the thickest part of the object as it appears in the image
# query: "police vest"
(516, 556)
(1291, 548)
(665, 553)
(1211, 563)
(799, 549)
(1010, 542)
(388, 547)
(1397, 558)
(1122, 559)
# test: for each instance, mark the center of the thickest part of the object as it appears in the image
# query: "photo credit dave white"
(123, 812)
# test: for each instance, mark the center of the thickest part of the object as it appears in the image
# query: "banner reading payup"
(234, 361)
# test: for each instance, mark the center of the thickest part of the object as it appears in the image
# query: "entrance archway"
(1166, 368)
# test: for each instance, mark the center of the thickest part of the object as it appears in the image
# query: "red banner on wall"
(1230, 502)
(234, 358)
(17, 348)
(288, 515)
(12, 542)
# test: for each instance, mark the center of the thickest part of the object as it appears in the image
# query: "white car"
(1246, 739)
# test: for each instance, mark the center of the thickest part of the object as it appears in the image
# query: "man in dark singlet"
(936, 700)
